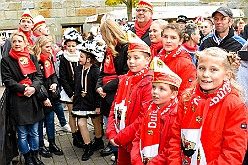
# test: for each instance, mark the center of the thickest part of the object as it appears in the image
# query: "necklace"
(84, 81)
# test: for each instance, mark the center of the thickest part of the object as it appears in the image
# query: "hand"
(101, 93)
(47, 103)
(97, 111)
(113, 143)
(29, 91)
(53, 87)
(72, 98)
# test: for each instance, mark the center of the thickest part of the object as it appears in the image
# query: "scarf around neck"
(155, 47)
(109, 66)
(190, 49)
(128, 84)
(28, 35)
(197, 111)
(140, 31)
(72, 57)
(47, 65)
(168, 57)
(25, 63)
(150, 131)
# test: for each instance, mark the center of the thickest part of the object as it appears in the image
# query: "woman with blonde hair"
(22, 77)
(42, 49)
(114, 64)
(156, 28)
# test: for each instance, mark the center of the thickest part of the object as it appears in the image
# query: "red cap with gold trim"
(145, 4)
(27, 15)
(136, 44)
(163, 74)
(38, 21)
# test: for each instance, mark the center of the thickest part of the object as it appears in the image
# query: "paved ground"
(72, 155)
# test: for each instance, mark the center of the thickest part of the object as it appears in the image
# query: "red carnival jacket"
(138, 104)
(209, 129)
(166, 120)
(180, 63)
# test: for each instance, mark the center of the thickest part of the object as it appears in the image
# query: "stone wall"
(59, 13)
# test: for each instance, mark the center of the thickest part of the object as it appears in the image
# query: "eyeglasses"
(138, 10)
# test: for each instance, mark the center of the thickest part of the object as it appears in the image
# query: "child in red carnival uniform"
(132, 98)
(152, 137)
(211, 126)
(175, 57)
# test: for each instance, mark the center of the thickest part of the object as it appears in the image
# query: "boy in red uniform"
(152, 137)
(132, 99)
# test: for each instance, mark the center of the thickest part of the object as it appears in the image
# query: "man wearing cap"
(144, 12)
(25, 26)
(223, 34)
(40, 27)
(182, 20)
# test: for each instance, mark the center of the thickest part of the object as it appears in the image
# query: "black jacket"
(231, 42)
(120, 63)
(145, 37)
(22, 110)
(91, 101)
(66, 76)
(47, 82)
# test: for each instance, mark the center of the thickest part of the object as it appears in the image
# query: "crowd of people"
(167, 93)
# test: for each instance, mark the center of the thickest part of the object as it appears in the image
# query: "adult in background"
(42, 49)
(206, 26)
(22, 77)
(223, 33)
(191, 39)
(40, 29)
(156, 28)
(144, 12)
(114, 64)
(25, 26)
(181, 20)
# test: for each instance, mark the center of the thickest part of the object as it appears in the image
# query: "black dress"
(86, 99)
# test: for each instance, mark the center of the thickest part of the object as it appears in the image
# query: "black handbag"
(42, 95)
(56, 96)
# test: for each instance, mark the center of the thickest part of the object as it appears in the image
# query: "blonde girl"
(211, 126)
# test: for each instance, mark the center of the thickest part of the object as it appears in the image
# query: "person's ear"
(228, 75)
(174, 95)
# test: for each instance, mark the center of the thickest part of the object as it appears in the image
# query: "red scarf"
(25, 63)
(155, 47)
(28, 35)
(168, 57)
(27, 82)
(197, 108)
(109, 67)
(140, 31)
(190, 49)
(150, 132)
(47, 64)
(128, 84)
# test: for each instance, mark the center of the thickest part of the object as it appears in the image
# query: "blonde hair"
(40, 41)
(21, 34)
(228, 59)
(113, 34)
